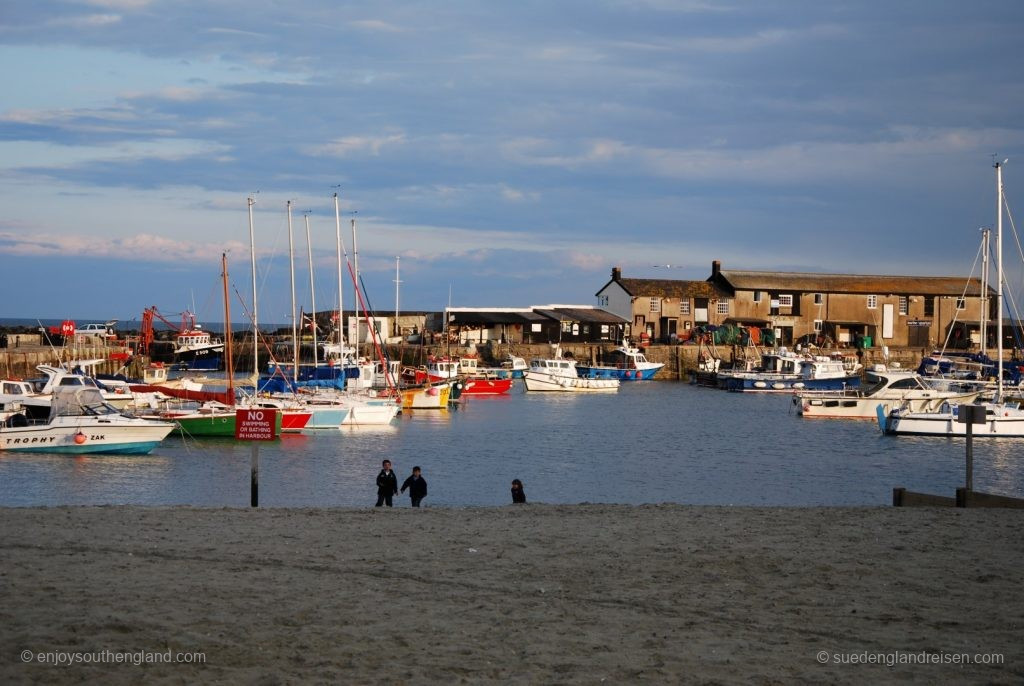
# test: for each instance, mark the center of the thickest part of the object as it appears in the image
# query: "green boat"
(207, 423)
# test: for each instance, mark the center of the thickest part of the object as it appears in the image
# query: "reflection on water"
(648, 443)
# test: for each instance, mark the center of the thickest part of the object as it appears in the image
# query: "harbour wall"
(20, 361)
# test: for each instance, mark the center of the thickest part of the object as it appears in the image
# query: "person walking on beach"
(518, 494)
(387, 485)
(417, 486)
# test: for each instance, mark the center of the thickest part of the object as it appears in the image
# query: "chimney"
(616, 273)
(716, 267)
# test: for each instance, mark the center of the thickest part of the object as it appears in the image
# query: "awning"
(847, 322)
(491, 318)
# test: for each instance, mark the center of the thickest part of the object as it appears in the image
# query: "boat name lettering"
(33, 439)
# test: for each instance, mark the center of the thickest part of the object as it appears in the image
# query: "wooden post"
(970, 457)
(897, 496)
(254, 500)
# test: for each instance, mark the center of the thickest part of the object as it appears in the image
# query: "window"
(602, 301)
(757, 296)
(818, 298)
(929, 306)
(535, 327)
(818, 325)
(872, 302)
(723, 306)
(655, 305)
(961, 304)
(903, 304)
(785, 300)
(684, 306)
(567, 327)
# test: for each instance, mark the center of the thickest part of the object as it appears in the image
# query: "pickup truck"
(94, 330)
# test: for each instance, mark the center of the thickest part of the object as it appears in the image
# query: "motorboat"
(81, 422)
(628, 364)
(890, 388)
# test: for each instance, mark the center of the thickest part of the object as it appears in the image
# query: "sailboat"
(1002, 419)
(294, 415)
(214, 418)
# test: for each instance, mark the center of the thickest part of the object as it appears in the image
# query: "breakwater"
(24, 354)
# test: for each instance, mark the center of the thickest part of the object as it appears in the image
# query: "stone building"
(797, 307)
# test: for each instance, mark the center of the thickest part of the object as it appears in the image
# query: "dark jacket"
(417, 487)
(518, 495)
(387, 483)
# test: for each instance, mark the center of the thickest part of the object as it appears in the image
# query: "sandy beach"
(519, 594)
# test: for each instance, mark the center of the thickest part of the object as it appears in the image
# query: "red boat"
(475, 381)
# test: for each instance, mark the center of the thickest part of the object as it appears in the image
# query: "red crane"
(188, 323)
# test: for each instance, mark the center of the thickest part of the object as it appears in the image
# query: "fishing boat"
(80, 422)
(559, 374)
(432, 396)
(890, 388)
(475, 380)
(783, 371)
(628, 364)
(1002, 419)
(515, 366)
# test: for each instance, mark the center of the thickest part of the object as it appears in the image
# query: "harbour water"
(651, 442)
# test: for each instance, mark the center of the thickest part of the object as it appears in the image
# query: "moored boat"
(890, 388)
(784, 371)
(80, 422)
(628, 364)
(559, 374)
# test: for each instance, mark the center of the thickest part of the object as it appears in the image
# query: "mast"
(355, 274)
(985, 276)
(291, 269)
(255, 321)
(341, 290)
(397, 281)
(999, 275)
(229, 362)
(312, 289)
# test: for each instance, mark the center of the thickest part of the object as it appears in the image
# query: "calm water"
(650, 443)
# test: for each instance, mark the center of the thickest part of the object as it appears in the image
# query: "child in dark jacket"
(417, 486)
(518, 494)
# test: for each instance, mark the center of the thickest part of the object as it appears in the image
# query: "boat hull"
(621, 374)
(208, 425)
(477, 386)
(539, 381)
(867, 408)
(428, 398)
(79, 439)
(757, 384)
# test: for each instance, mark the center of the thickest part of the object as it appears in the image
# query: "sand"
(530, 594)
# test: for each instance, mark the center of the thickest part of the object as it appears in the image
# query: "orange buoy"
(80, 438)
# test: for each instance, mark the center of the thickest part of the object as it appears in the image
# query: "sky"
(510, 154)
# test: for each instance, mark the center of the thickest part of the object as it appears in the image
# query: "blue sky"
(509, 153)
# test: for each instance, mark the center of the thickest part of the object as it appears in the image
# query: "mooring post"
(255, 496)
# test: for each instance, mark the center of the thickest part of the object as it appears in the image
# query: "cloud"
(376, 25)
(86, 21)
(124, 5)
(138, 248)
(351, 146)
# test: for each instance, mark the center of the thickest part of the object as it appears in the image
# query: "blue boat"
(783, 371)
(628, 364)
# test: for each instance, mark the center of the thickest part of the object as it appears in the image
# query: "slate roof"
(589, 315)
(671, 288)
(489, 317)
(804, 282)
